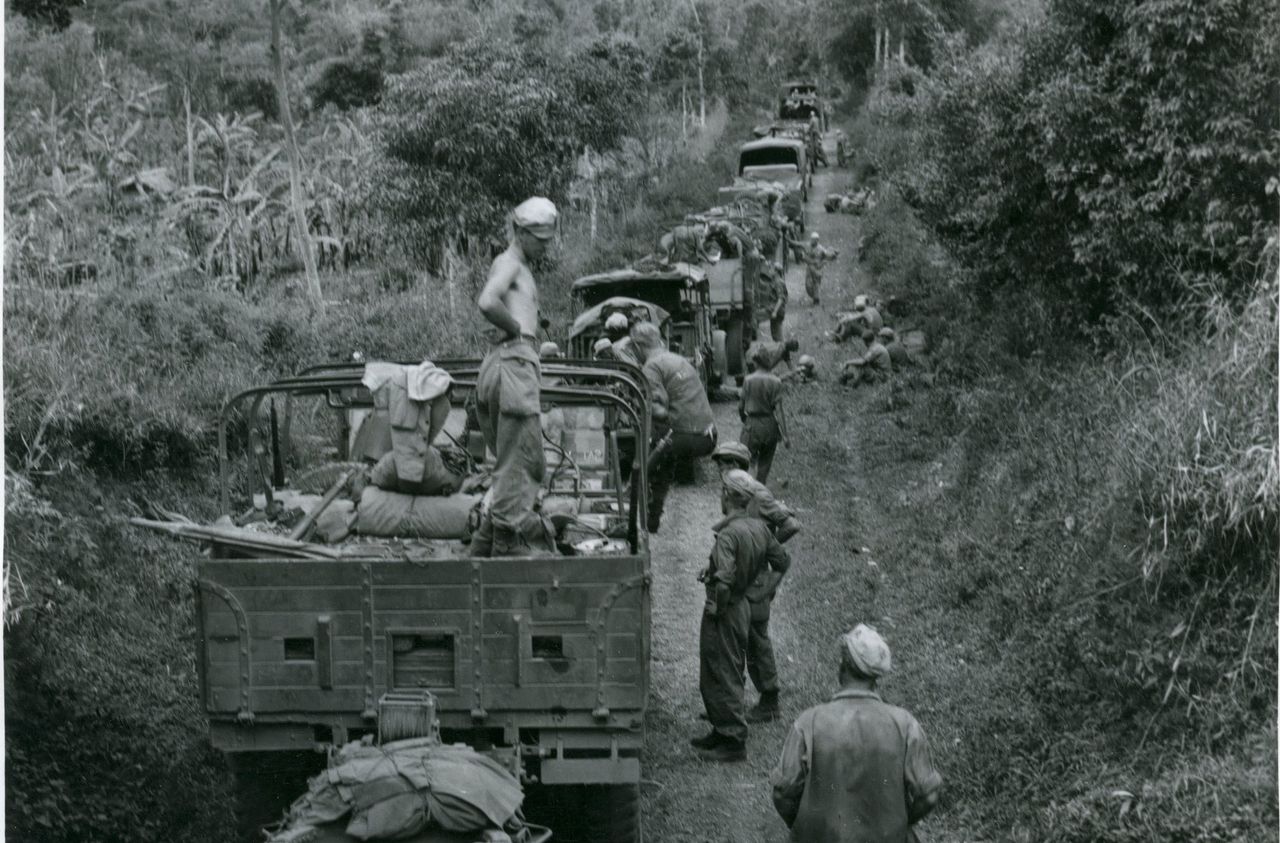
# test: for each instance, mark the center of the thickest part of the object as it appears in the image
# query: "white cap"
(601, 344)
(537, 216)
(616, 321)
(813, 236)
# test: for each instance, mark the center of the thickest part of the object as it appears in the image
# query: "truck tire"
(612, 812)
(735, 350)
(265, 784)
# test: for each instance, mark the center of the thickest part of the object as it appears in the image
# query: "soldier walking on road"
(764, 424)
(679, 408)
(508, 387)
(855, 770)
(815, 257)
(744, 548)
(778, 313)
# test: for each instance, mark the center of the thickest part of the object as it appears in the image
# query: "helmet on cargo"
(734, 452)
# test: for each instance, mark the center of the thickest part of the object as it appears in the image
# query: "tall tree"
(296, 201)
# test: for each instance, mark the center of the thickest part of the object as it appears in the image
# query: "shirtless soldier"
(508, 398)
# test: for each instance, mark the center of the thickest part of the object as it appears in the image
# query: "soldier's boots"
(766, 710)
(707, 741)
(726, 750)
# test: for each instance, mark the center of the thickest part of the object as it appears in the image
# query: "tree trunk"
(902, 48)
(877, 28)
(191, 154)
(314, 297)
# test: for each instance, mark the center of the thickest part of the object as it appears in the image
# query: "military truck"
(799, 100)
(781, 162)
(541, 662)
(675, 297)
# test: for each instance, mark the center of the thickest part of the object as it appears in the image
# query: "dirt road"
(831, 585)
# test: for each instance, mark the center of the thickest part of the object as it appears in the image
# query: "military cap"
(616, 321)
(859, 302)
(813, 236)
(601, 344)
(537, 216)
(734, 451)
(777, 266)
(806, 361)
(887, 333)
(739, 482)
(864, 650)
(549, 349)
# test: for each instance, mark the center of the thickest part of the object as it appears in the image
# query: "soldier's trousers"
(508, 408)
(775, 326)
(761, 665)
(722, 656)
(662, 476)
(761, 436)
(812, 281)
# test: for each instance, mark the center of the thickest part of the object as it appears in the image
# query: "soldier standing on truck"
(679, 409)
(508, 386)
(744, 548)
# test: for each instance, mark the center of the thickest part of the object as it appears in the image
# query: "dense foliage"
(472, 134)
(1119, 153)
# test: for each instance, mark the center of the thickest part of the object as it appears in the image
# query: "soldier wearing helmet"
(806, 370)
(617, 328)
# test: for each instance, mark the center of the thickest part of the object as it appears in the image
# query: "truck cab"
(541, 662)
(777, 160)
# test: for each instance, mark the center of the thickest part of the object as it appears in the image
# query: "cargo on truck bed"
(539, 662)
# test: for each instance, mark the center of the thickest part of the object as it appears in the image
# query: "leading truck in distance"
(541, 662)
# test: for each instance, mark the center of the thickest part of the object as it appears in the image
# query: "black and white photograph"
(641, 421)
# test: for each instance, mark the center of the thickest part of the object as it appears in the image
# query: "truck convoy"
(303, 633)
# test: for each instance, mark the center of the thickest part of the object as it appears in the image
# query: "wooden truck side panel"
(535, 639)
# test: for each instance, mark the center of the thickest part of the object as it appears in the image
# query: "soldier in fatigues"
(815, 256)
(855, 769)
(872, 367)
(763, 422)
(761, 665)
(744, 548)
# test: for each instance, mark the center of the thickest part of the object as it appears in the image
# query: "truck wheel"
(266, 783)
(613, 812)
